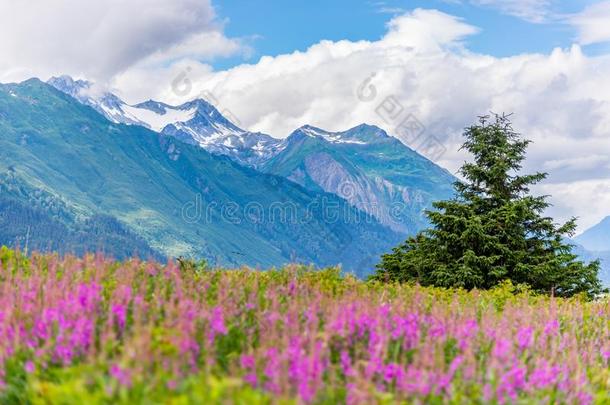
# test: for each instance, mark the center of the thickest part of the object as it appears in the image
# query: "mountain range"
(196, 122)
(96, 173)
(371, 170)
(99, 174)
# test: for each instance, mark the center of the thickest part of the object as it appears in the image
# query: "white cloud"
(154, 49)
(588, 199)
(593, 23)
(561, 100)
(100, 38)
(536, 11)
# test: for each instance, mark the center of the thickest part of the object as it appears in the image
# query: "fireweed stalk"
(100, 331)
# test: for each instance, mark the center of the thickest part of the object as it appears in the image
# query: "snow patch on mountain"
(196, 122)
(158, 121)
(351, 136)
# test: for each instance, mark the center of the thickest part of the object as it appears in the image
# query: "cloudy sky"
(276, 65)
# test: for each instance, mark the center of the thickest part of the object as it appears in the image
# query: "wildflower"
(29, 367)
(346, 364)
(392, 372)
(121, 375)
(511, 383)
(544, 376)
(524, 337)
(217, 322)
(551, 328)
(272, 370)
(501, 349)
(172, 385)
(120, 315)
(248, 361)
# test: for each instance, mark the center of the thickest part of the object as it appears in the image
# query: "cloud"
(587, 199)
(593, 23)
(422, 66)
(560, 100)
(99, 39)
(536, 11)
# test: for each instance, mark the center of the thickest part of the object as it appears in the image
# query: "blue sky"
(279, 27)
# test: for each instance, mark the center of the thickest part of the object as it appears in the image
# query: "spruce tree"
(493, 229)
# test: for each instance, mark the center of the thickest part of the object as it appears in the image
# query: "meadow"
(92, 330)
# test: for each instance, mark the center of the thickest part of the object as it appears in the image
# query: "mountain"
(588, 256)
(35, 220)
(596, 238)
(72, 166)
(373, 171)
(593, 244)
(196, 122)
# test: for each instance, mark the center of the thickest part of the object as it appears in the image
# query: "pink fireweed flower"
(248, 363)
(64, 354)
(415, 382)
(445, 380)
(551, 328)
(121, 375)
(466, 331)
(251, 378)
(272, 371)
(29, 367)
(217, 324)
(437, 328)
(346, 364)
(501, 349)
(524, 337)
(511, 383)
(408, 328)
(119, 312)
(292, 288)
(393, 371)
(374, 366)
(544, 376)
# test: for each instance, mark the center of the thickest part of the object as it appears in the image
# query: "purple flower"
(121, 375)
(217, 324)
(29, 367)
(524, 337)
(120, 314)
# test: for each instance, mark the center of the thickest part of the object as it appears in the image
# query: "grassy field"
(87, 331)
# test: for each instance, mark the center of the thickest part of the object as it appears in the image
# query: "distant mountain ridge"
(370, 169)
(196, 122)
(596, 238)
(594, 243)
(373, 171)
(176, 198)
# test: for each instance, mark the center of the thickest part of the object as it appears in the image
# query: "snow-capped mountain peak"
(196, 122)
(361, 134)
(74, 88)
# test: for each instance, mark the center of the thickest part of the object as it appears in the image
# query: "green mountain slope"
(177, 198)
(33, 220)
(370, 169)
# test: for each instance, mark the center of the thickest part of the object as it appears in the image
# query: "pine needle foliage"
(494, 229)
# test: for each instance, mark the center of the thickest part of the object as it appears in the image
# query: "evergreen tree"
(493, 229)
